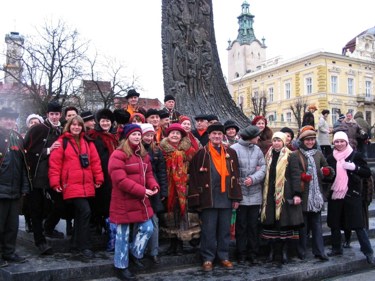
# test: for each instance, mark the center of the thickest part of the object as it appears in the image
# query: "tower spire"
(245, 21)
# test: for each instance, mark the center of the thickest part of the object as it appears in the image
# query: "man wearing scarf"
(201, 129)
(214, 186)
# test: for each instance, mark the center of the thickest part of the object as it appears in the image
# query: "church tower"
(246, 53)
(13, 66)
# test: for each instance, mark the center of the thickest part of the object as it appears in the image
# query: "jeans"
(141, 234)
(313, 222)
(362, 236)
(153, 243)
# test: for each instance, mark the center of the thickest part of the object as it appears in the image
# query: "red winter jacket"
(130, 178)
(65, 168)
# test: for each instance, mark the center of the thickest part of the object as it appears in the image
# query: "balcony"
(366, 100)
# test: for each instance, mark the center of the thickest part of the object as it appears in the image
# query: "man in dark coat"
(14, 182)
(169, 107)
(40, 140)
(214, 189)
(201, 128)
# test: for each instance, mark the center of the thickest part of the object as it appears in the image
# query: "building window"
(282, 117)
(256, 94)
(287, 90)
(368, 89)
(308, 82)
(272, 117)
(289, 117)
(350, 86)
(335, 114)
(334, 84)
(270, 94)
(368, 117)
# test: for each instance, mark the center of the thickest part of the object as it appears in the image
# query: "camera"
(84, 159)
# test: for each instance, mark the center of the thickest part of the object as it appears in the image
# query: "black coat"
(291, 215)
(203, 139)
(347, 213)
(37, 141)
(160, 174)
(14, 179)
(105, 148)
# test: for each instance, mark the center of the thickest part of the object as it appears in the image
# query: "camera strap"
(75, 150)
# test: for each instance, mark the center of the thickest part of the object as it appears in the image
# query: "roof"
(352, 43)
(90, 85)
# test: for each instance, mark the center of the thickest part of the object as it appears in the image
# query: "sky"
(130, 30)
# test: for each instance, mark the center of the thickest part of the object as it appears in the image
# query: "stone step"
(64, 266)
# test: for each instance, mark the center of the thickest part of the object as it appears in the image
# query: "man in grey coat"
(252, 167)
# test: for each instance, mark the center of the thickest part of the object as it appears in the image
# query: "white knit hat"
(280, 135)
(341, 136)
(34, 116)
(146, 127)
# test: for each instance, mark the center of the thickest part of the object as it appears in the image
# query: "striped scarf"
(315, 200)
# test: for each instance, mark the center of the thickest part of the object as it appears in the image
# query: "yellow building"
(339, 83)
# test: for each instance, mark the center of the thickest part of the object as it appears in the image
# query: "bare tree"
(107, 79)
(298, 108)
(259, 104)
(52, 64)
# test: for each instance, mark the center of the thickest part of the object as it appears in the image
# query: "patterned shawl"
(177, 162)
(282, 163)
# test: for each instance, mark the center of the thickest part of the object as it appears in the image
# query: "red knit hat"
(257, 118)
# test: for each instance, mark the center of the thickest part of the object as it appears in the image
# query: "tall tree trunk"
(191, 65)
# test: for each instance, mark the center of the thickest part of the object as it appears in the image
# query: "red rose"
(14, 147)
(306, 177)
(326, 171)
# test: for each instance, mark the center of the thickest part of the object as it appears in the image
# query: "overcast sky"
(130, 30)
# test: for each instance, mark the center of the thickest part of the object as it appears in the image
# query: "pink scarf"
(340, 185)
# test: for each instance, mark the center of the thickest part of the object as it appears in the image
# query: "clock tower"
(13, 66)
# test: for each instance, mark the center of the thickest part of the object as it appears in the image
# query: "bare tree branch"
(298, 109)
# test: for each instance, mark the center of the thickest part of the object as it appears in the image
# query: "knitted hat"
(34, 116)
(217, 126)
(280, 135)
(288, 130)
(121, 116)
(146, 127)
(169, 97)
(129, 129)
(307, 134)
(105, 113)
(8, 112)
(54, 106)
(175, 127)
(139, 115)
(132, 93)
(258, 118)
(340, 136)
(231, 124)
(87, 116)
(183, 118)
(151, 111)
(250, 132)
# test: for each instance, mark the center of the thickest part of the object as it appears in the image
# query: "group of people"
(140, 174)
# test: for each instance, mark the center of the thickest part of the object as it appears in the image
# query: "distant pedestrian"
(324, 134)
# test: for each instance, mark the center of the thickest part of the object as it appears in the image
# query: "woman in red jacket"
(75, 170)
(133, 184)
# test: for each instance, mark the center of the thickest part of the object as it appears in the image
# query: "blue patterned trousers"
(141, 234)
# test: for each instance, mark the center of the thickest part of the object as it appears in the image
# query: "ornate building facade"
(338, 82)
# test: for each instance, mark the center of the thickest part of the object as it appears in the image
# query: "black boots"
(278, 248)
(175, 247)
